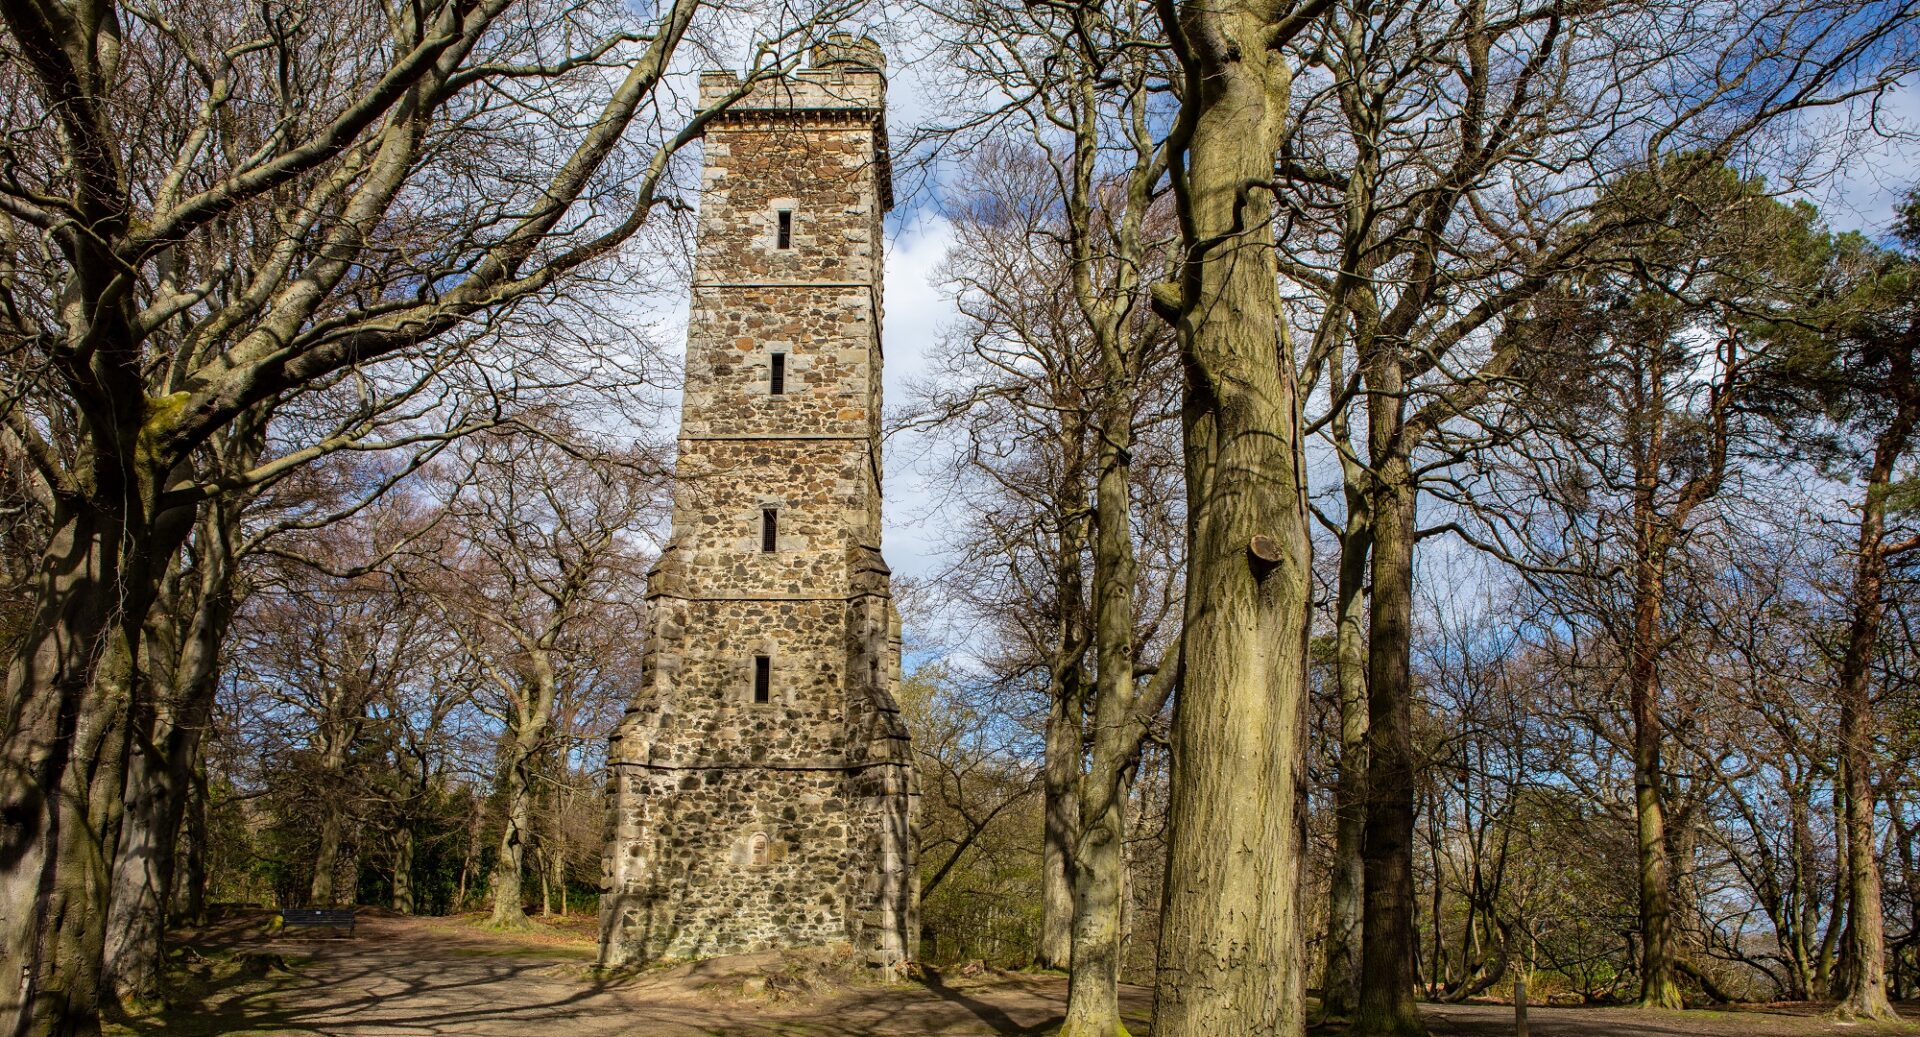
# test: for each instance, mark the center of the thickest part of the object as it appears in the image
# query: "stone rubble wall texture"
(737, 826)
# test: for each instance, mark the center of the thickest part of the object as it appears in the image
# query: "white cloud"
(1880, 174)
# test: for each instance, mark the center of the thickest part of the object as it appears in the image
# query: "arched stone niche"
(756, 850)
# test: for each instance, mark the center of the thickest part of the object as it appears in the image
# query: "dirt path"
(401, 976)
(404, 977)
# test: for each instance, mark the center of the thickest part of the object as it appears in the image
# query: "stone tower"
(762, 790)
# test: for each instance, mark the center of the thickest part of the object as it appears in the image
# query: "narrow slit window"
(762, 679)
(783, 235)
(769, 530)
(777, 375)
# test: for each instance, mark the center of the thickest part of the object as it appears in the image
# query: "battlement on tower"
(846, 83)
(845, 72)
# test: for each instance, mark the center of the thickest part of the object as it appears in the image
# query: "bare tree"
(235, 203)
(186, 630)
(532, 564)
(1012, 390)
(1082, 252)
(184, 640)
(1442, 173)
(317, 657)
(1661, 425)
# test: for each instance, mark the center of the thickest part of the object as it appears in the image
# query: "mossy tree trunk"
(533, 695)
(182, 645)
(63, 753)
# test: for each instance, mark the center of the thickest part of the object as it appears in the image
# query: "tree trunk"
(326, 861)
(553, 848)
(1806, 892)
(509, 864)
(326, 858)
(546, 887)
(557, 873)
(1863, 991)
(1230, 947)
(1060, 780)
(63, 767)
(142, 879)
(1340, 987)
(1823, 958)
(1907, 955)
(1099, 863)
(1520, 1004)
(1387, 979)
(143, 858)
(1066, 710)
(339, 725)
(403, 871)
(183, 641)
(1438, 967)
(1093, 993)
(1683, 846)
(1659, 982)
(528, 736)
(466, 869)
(194, 874)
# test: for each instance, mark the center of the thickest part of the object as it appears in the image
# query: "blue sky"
(918, 313)
(1862, 197)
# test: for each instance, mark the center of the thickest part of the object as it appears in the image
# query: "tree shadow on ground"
(988, 1013)
(347, 995)
(432, 977)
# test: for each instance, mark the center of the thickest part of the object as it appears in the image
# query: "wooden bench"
(335, 918)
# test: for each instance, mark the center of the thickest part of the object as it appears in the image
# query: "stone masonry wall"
(738, 825)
